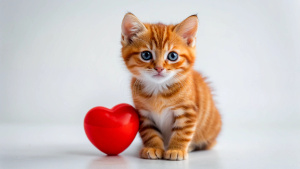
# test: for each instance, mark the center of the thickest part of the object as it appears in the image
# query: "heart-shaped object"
(111, 130)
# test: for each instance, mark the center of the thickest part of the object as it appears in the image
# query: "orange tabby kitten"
(177, 112)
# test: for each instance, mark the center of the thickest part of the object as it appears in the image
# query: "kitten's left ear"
(131, 26)
(187, 29)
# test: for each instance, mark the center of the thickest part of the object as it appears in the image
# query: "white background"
(60, 58)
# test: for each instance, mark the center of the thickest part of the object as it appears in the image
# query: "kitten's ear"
(131, 26)
(187, 29)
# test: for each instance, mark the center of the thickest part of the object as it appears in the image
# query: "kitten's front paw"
(151, 153)
(175, 155)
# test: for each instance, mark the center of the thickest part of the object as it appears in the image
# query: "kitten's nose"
(159, 69)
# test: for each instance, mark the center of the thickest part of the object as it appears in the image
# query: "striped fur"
(177, 112)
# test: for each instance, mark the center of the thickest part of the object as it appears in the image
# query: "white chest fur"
(163, 121)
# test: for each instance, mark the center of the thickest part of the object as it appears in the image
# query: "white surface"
(47, 146)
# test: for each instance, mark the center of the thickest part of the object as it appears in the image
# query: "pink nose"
(159, 69)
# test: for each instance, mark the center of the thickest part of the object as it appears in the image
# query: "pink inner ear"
(127, 29)
(190, 33)
(190, 41)
(131, 26)
(187, 29)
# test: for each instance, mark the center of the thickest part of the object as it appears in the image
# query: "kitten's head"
(158, 53)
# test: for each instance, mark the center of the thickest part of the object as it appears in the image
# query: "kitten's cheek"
(135, 72)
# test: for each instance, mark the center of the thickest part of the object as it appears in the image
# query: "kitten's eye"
(172, 56)
(146, 55)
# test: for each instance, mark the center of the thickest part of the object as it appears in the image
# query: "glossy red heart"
(111, 130)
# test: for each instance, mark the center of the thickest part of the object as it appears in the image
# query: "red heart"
(112, 130)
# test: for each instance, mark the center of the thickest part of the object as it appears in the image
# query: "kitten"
(176, 108)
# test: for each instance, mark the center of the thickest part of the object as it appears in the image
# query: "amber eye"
(146, 55)
(172, 56)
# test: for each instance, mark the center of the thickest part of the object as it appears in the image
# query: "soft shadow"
(209, 159)
(108, 162)
(133, 151)
(84, 153)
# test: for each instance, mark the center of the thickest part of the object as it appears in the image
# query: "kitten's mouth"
(158, 76)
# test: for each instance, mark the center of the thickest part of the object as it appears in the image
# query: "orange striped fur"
(176, 108)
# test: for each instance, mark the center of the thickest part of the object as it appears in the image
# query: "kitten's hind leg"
(192, 147)
(202, 146)
(210, 145)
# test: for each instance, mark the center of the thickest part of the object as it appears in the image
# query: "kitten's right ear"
(131, 26)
